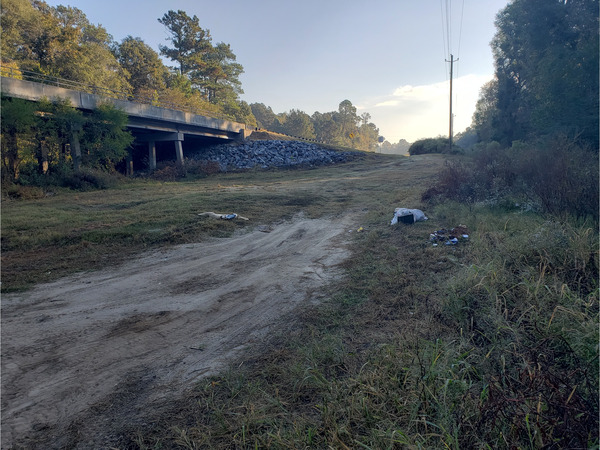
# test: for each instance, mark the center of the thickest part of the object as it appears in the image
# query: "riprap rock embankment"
(267, 154)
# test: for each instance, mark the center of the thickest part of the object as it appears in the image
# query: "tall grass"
(528, 304)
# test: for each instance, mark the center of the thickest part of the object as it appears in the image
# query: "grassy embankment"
(491, 343)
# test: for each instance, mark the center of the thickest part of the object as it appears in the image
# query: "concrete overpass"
(147, 123)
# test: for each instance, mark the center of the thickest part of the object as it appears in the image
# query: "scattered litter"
(358, 230)
(449, 237)
(406, 215)
(223, 216)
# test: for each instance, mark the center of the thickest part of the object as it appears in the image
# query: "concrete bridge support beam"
(152, 155)
(179, 153)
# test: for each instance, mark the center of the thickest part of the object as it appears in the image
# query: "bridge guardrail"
(26, 75)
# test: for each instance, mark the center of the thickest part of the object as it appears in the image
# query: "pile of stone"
(269, 154)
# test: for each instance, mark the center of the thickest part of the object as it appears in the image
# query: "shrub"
(562, 177)
(557, 177)
(169, 171)
(202, 167)
(89, 179)
(20, 192)
(432, 145)
(455, 181)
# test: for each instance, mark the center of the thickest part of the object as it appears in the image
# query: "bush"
(562, 177)
(454, 182)
(168, 171)
(20, 192)
(202, 167)
(432, 145)
(557, 177)
(89, 179)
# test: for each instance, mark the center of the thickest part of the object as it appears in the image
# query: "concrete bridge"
(147, 123)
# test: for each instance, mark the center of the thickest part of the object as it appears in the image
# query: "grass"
(482, 345)
(44, 239)
(492, 343)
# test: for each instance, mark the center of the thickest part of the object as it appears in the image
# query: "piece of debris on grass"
(449, 237)
(223, 216)
(405, 215)
(358, 230)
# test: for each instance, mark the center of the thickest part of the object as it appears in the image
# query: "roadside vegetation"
(492, 342)
(489, 343)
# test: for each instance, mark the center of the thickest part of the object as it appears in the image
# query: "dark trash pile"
(449, 237)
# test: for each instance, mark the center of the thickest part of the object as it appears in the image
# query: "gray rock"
(269, 154)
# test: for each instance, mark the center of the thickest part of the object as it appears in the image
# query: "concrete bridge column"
(152, 155)
(129, 161)
(179, 152)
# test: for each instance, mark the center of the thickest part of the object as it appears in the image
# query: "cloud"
(414, 112)
(421, 93)
(386, 103)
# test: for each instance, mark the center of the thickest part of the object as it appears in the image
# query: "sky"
(388, 57)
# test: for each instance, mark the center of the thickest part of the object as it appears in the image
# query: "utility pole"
(450, 131)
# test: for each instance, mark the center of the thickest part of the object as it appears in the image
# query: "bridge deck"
(141, 116)
(147, 123)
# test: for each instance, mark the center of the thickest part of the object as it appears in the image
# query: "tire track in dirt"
(166, 318)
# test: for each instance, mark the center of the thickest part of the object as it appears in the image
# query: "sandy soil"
(131, 334)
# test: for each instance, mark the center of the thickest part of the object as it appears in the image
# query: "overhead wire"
(444, 45)
(449, 24)
(458, 52)
(446, 13)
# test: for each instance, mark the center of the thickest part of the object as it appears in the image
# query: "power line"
(462, 14)
(444, 45)
(447, 41)
(449, 24)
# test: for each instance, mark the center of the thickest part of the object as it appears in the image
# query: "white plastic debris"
(223, 216)
(417, 215)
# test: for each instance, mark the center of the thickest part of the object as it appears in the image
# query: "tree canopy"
(342, 127)
(546, 59)
(212, 70)
(60, 41)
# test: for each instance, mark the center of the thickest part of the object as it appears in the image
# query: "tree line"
(61, 42)
(342, 127)
(537, 120)
(546, 73)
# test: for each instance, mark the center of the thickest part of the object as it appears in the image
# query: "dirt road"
(146, 329)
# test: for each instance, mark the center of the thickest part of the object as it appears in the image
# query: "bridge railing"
(26, 75)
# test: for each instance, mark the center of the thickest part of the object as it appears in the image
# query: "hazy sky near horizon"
(386, 56)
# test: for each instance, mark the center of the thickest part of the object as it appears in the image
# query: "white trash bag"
(417, 215)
